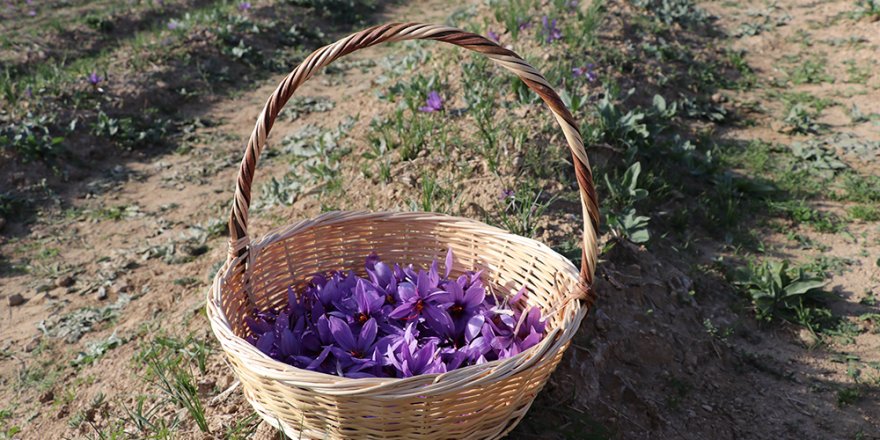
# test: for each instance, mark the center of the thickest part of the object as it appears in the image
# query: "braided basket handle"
(392, 32)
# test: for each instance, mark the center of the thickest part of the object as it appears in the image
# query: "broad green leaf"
(803, 286)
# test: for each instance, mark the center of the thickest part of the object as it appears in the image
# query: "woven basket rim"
(572, 314)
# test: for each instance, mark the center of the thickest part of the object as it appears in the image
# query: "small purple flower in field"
(29, 92)
(586, 72)
(94, 79)
(551, 32)
(244, 6)
(433, 104)
(32, 12)
(507, 194)
(493, 36)
(173, 24)
(573, 4)
(524, 23)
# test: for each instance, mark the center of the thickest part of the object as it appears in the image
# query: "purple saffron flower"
(352, 349)
(244, 6)
(551, 32)
(434, 103)
(173, 24)
(462, 304)
(94, 79)
(420, 302)
(586, 72)
(493, 36)
(525, 23)
(507, 194)
(410, 360)
(365, 305)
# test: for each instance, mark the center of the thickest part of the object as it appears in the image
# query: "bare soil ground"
(116, 262)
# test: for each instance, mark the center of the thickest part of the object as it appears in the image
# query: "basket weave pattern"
(475, 402)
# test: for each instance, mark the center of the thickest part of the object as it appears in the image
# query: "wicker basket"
(474, 402)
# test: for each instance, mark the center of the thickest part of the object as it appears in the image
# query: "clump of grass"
(168, 367)
(867, 213)
(810, 71)
(861, 188)
(515, 15)
(800, 212)
(520, 208)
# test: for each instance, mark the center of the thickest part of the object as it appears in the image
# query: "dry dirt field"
(735, 149)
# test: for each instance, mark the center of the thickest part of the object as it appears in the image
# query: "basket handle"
(393, 32)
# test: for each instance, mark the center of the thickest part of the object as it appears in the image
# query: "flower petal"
(342, 334)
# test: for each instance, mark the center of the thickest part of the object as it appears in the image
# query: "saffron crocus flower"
(351, 349)
(462, 304)
(421, 302)
(506, 194)
(493, 36)
(366, 304)
(244, 6)
(551, 32)
(94, 79)
(173, 24)
(410, 360)
(586, 72)
(433, 104)
(524, 24)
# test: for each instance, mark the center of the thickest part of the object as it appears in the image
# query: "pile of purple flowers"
(397, 322)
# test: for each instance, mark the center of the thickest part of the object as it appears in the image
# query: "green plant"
(513, 14)
(811, 71)
(861, 188)
(800, 212)
(616, 128)
(178, 384)
(168, 367)
(520, 208)
(622, 195)
(683, 12)
(244, 428)
(629, 225)
(481, 98)
(7, 432)
(350, 10)
(868, 9)
(147, 420)
(817, 159)
(800, 120)
(867, 213)
(128, 132)
(434, 197)
(581, 33)
(31, 139)
(777, 293)
(848, 395)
